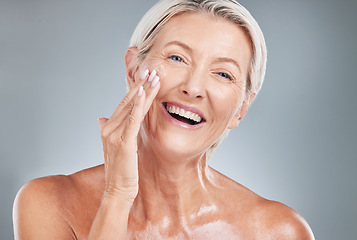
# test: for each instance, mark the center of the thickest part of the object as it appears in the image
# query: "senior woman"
(193, 69)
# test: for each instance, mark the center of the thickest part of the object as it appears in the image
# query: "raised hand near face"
(119, 137)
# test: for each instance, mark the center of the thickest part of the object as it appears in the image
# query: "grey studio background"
(61, 67)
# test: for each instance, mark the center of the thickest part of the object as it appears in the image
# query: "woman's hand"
(119, 137)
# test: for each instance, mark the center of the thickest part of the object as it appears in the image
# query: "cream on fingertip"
(155, 81)
(152, 76)
(144, 74)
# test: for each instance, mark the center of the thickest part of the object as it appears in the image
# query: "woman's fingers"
(126, 103)
(136, 117)
(149, 82)
(141, 107)
(102, 121)
(117, 120)
(151, 94)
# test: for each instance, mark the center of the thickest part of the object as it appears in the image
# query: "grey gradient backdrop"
(61, 67)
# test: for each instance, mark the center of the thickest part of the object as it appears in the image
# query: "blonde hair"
(152, 22)
(149, 26)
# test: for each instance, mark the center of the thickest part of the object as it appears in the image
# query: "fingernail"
(156, 80)
(152, 75)
(144, 74)
(141, 89)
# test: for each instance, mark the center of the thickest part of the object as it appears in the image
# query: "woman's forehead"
(204, 32)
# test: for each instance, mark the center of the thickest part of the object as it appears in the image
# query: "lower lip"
(179, 123)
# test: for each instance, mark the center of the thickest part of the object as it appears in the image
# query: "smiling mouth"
(184, 116)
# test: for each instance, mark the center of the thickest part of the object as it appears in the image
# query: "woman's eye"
(225, 75)
(176, 58)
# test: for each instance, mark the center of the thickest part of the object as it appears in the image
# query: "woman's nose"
(194, 86)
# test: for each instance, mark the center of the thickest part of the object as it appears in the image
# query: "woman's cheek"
(225, 99)
(172, 76)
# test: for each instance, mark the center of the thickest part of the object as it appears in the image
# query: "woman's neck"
(171, 191)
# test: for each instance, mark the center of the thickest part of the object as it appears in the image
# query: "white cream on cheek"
(156, 66)
(160, 69)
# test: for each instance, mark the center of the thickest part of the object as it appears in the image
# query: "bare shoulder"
(45, 208)
(259, 217)
(38, 205)
(278, 221)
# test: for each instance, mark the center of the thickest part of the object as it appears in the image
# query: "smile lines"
(183, 113)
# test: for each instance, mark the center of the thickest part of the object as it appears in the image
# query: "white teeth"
(186, 114)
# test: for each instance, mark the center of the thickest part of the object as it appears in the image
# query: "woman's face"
(203, 63)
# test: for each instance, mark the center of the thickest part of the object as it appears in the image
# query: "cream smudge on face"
(158, 68)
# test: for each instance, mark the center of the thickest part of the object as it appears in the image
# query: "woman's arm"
(112, 218)
(40, 206)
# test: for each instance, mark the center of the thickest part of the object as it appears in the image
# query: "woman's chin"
(176, 146)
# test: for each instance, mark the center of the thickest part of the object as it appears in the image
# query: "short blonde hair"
(152, 22)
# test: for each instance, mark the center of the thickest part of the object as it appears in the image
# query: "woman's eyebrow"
(181, 44)
(229, 60)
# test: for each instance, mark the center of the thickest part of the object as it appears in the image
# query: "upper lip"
(186, 108)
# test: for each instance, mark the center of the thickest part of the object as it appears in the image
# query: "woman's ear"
(242, 111)
(131, 63)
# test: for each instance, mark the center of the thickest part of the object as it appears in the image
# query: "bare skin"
(155, 183)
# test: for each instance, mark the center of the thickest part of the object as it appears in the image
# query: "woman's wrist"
(112, 217)
(119, 196)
